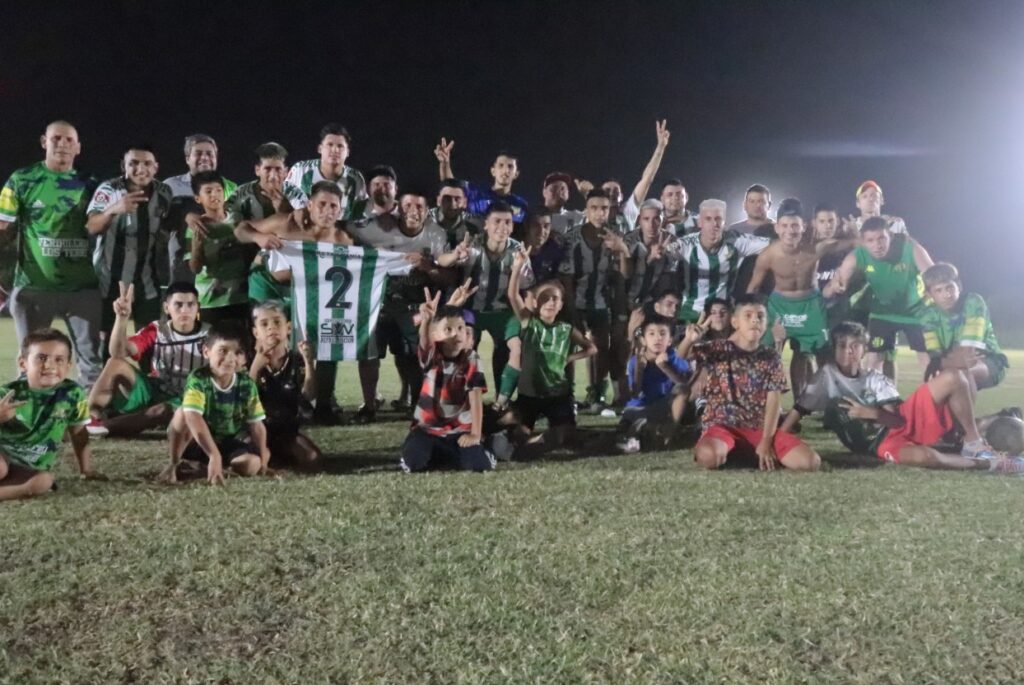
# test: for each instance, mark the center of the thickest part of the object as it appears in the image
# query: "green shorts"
(502, 325)
(804, 319)
(145, 393)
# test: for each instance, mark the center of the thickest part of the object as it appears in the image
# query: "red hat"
(563, 176)
(868, 184)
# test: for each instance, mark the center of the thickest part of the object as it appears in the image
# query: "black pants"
(420, 448)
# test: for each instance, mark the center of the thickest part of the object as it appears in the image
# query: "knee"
(246, 465)
(4, 469)
(802, 459)
(39, 484)
(708, 456)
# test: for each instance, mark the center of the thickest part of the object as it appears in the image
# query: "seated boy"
(958, 333)
(172, 350)
(219, 401)
(287, 384)
(448, 421)
(743, 389)
(35, 412)
(544, 385)
(654, 372)
(863, 408)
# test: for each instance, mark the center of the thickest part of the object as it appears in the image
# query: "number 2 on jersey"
(344, 283)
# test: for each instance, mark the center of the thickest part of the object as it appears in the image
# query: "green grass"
(607, 569)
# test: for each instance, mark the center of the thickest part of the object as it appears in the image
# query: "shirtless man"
(795, 301)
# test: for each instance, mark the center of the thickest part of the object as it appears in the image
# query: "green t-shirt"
(225, 275)
(226, 410)
(49, 210)
(545, 351)
(968, 325)
(33, 437)
(896, 287)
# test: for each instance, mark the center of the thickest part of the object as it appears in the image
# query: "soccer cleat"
(364, 415)
(977, 449)
(630, 445)
(96, 428)
(328, 415)
(400, 405)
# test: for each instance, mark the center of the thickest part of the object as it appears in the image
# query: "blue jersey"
(480, 198)
(654, 384)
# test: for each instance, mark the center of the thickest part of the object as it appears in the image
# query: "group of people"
(680, 318)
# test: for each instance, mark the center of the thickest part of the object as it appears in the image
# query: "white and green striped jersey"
(304, 175)
(647, 276)
(711, 274)
(589, 268)
(249, 203)
(126, 251)
(456, 230)
(337, 291)
(490, 273)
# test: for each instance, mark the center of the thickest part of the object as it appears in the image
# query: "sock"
(509, 381)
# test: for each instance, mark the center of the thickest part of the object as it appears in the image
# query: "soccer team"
(685, 316)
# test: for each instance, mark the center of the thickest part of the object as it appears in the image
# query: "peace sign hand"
(429, 308)
(123, 304)
(443, 150)
(521, 257)
(129, 202)
(8, 407)
(462, 250)
(461, 294)
(696, 331)
(661, 130)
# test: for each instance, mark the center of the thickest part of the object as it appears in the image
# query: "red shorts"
(925, 424)
(747, 439)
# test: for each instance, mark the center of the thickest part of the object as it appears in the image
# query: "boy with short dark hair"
(220, 400)
(863, 408)
(219, 261)
(958, 332)
(448, 420)
(171, 350)
(743, 392)
(287, 384)
(654, 372)
(35, 412)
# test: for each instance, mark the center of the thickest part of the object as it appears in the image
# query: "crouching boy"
(219, 401)
(449, 414)
(35, 412)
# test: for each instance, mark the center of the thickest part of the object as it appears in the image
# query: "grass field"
(601, 569)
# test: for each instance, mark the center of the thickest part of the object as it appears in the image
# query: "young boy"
(287, 384)
(544, 386)
(863, 408)
(172, 350)
(35, 412)
(958, 333)
(448, 420)
(654, 372)
(219, 401)
(743, 392)
(219, 261)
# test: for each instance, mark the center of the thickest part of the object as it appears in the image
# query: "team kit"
(220, 313)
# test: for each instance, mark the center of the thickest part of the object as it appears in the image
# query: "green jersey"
(248, 203)
(545, 351)
(48, 208)
(32, 438)
(896, 287)
(226, 410)
(224, 278)
(304, 175)
(967, 325)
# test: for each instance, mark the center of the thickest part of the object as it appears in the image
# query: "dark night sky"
(809, 97)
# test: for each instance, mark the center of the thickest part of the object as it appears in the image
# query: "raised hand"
(306, 350)
(8, 407)
(129, 202)
(778, 331)
(661, 130)
(123, 304)
(584, 186)
(696, 331)
(521, 257)
(443, 150)
(462, 250)
(614, 242)
(429, 308)
(462, 294)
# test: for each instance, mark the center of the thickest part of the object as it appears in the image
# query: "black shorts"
(229, 449)
(559, 411)
(882, 335)
(396, 332)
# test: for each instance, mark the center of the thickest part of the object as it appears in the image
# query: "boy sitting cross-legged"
(287, 384)
(743, 390)
(170, 350)
(863, 408)
(219, 401)
(448, 420)
(35, 412)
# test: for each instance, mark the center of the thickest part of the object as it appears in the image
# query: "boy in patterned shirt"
(743, 390)
(958, 332)
(35, 412)
(169, 351)
(219, 402)
(287, 383)
(449, 415)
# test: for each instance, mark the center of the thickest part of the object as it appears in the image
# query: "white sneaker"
(608, 413)
(630, 445)
(96, 428)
